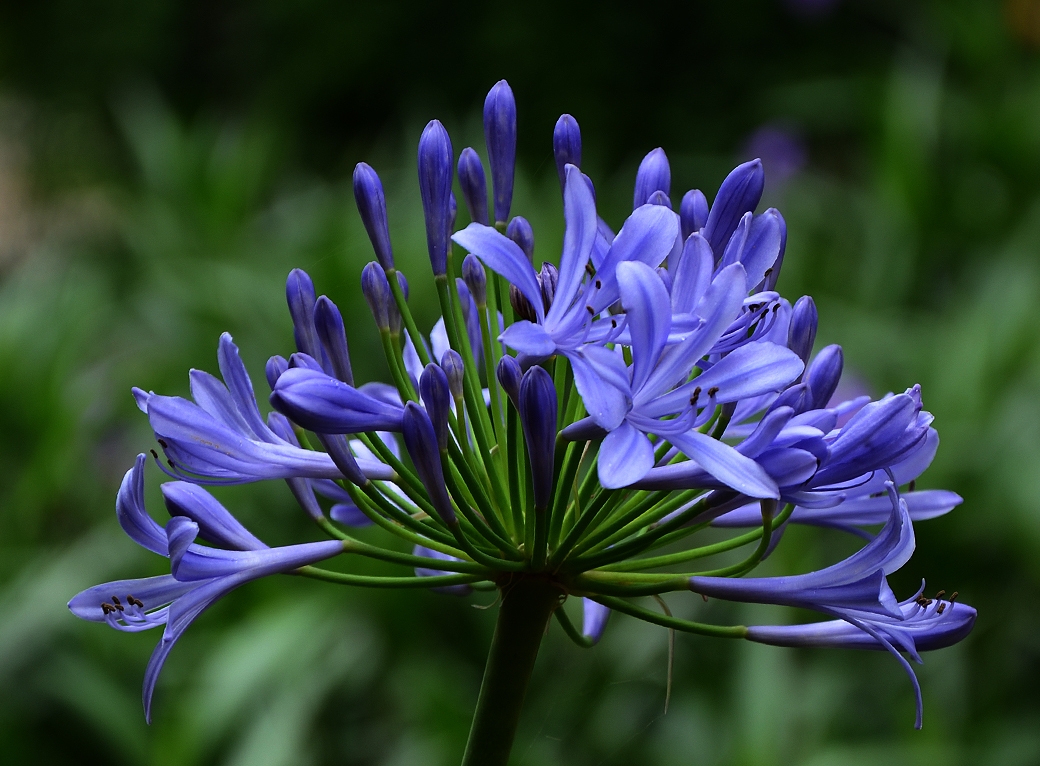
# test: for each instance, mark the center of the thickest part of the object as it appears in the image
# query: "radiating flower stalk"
(566, 429)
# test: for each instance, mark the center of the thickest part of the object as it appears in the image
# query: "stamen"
(590, 310)
(107, 608)
(713, 390)
(940, 594)
(599, 284)
(154, 454)
(941, 608)
(695, 397)
(162, 443)
(912, 485)
(590, 268)
(135, 601)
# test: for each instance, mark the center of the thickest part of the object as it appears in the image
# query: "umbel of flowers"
(566, 429)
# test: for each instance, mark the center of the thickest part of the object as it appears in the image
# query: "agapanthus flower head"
(553, 431)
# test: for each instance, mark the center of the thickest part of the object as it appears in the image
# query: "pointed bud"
(500, 136)
(377, 292)
(476, 279)
(566, 146)
(654, 174)
(276, 365)
(538, 417)
(471, 317)
(802, 331)
(453, 368)
(474, 185)
(548, 278)
(509, 377)
(693, 212)
(824, 373)
(339, 450)
(435, 174)
(299, 294)
(798, 398)
(659, 198)
(593, 619)
(739, 194)
(436, 396)
(773, 273)
(520, 231)
(521, 306)
(371, 204)
(420, 439)
(329, 324)
(300, 360)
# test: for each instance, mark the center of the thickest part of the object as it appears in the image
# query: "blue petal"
(502, 255)
(625, 456)
(216, 524)
(649, 314)
(213, 397)
(349, 515)
(606, 404)
(579, 235)
(648, 236)
(240, 387)
(528, 338)
(131, 513)
(726, 464)
(326, 405)
(693, 274)
(593, 619)
(738, 194)
(762, 246)
(155, 592)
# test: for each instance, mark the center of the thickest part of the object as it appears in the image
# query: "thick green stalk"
(526, 607)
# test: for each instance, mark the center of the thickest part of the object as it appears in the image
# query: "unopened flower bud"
(824, 373)
(474, 185)
(500, 135)
(654, 174)
(476, 279)
(520, 231)
(509, 377)
(566, 146)
(773, 273)
(436, 396)
(299, 294)
(377, 292)
(659, 198)
(802, 332)
(276, 365)
(420, 439)
(693, 212)
(329, 324)
(435, 174)
(548, 278)
(521, 306)
(455, 371)
(739, 194)
(538, 417)
(371, 203)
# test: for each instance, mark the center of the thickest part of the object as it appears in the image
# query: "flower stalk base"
(527, 605)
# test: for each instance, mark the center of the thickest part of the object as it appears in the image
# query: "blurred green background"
(162, 167)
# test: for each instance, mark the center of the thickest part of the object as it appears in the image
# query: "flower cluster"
(572, 423)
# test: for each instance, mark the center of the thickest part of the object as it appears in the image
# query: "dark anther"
(776, 307)
(154, 454)
(590, 268)
(599, 284)
(754, 307)
(940, 594)
(134, 601)
(705, 598)
(107, 608)
(171, 464)
(912, 485)
(695, 397)
(162, 443)
(713, 390)
(768, 272)
(953, 597)
(590, 310)
(941, 608)
(923, 600)
(116, 601)
(613, 324)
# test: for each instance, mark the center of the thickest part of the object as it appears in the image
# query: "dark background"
(163, 165)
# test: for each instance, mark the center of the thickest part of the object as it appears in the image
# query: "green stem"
(700, 628)
(526, 607)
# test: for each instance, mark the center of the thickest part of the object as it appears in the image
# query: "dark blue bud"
(802, 332)
(509, 376)
(654, 174)
(329, 324)
(474, 185)
(300, 295)
(548, 278)
(420, 439)
(435, 174)
(500, 136)
(453, 212)
(566, 146)
(339, 450)
(403, 283)
(798, 398)
(666, 277)
(520, 231)
(377, 292)
(436, 396)
(476, 279)
(452, 365)
(371, 203)
(305, 362)
(824, 373)
(276, 365)
(739, 194)
(471, 316)
(659, 198)
(538, 417)
(773, 273)
(693, 212)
